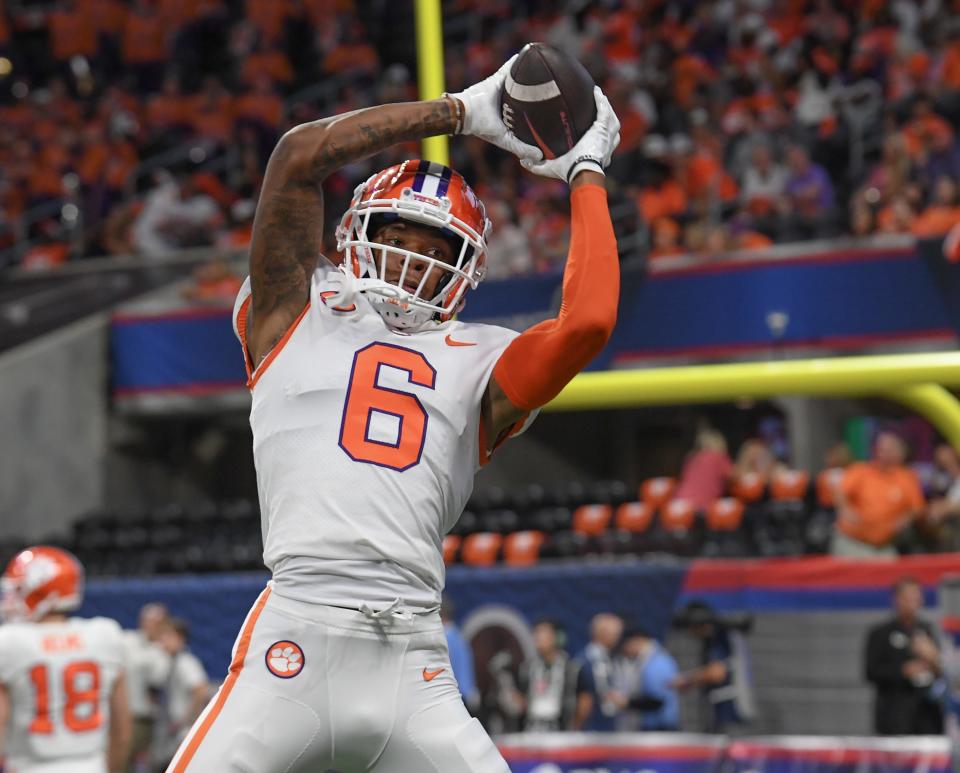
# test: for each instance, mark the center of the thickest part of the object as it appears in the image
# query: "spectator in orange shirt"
(143, 46)
(923, 130)
(876, 501)
(167, 113)
(943, 212)
(666, 238)
(897, 217)
(261, 106)
(72, 33)
(211, 112)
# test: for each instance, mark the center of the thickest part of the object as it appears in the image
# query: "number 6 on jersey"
(366, 397)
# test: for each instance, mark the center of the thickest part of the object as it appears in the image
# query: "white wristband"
(582, 164)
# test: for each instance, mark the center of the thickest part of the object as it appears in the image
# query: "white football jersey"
(366, 441)
(60, 677)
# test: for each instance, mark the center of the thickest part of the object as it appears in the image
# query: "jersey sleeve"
(491, 341)
(241, 309)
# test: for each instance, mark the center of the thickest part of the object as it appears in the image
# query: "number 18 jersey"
(60, 677)
(366, 441)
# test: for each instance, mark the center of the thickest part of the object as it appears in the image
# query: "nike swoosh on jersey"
(429, 676)
(450, 342)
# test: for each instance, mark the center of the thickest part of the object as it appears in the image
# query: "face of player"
(415, 238)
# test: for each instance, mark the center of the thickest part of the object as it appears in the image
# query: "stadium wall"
(54, 417)
(810, 619)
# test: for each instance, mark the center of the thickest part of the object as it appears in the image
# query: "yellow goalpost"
(917, 381)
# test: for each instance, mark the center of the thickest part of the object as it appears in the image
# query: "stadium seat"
(522, 548)
(632, 522)
(677, 531)
(827, 482)
(634, 517)
(592, 520)
(725, 514)
(789, 485)
(726, 536)
(677, 515)
(781, 529)
(451, 544)
(481, 549)
(748, 487)
(657, 491)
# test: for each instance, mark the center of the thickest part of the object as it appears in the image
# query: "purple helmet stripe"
(421, 177)
(444, 181)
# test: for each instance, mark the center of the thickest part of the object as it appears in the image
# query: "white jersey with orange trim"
(60, 677)
(366, 442)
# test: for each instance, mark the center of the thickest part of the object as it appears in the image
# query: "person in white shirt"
(186, 691)
(147, 669)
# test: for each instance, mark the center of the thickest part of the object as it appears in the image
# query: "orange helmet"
(430, 194)
(40, 580)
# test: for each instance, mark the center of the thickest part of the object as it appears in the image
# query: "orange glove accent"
(542, 360)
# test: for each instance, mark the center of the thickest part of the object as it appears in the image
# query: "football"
(547, 99)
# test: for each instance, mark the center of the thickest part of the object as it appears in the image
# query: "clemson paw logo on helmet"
(284, 659)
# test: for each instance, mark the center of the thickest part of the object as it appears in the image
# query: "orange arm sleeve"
(542, 360)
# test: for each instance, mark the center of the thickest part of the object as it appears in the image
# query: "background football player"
(63, 699)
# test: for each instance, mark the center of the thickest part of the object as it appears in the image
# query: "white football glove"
(481, 115)
(593, 151)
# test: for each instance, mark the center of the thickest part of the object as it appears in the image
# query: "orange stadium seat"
(677, 515)
(592, 520)
(451, 544)
(789, 485)
(827, 482)
(749, 487)
(725, 514)
(481, 549)
(634, 517)
(522, 548)
(656, 491)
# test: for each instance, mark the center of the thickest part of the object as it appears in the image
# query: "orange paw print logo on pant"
(284, 659)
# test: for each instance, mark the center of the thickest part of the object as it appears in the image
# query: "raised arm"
(542, 360)
(288, 226)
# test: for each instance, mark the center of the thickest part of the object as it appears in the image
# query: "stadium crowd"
(145, 126)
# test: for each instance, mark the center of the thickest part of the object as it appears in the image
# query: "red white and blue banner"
(692, 753)
(849, 299)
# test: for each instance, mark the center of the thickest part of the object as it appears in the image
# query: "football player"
(372, 410)
(63, 699)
